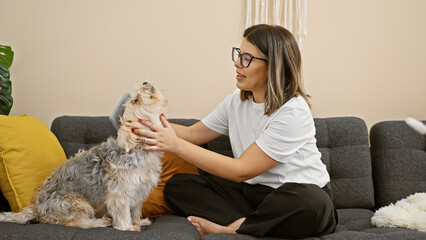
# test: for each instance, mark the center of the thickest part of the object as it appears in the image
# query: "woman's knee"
(292, 211)
(180, 178)
(177, 182)
(309, 196)
(315, 207)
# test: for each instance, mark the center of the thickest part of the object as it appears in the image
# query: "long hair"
(279, 46)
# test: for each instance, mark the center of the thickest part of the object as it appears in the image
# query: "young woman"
(274, 185)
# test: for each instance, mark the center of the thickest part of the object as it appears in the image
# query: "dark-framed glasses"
(245, 58)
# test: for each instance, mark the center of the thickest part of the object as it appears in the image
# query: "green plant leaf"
(6, 56)
(6, 100)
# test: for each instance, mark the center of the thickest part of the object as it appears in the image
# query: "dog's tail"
(27, 214)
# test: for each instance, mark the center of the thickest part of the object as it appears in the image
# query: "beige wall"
(362, 58)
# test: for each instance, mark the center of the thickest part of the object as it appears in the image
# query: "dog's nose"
(148, 86)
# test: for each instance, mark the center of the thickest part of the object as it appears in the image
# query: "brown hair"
(279, 46)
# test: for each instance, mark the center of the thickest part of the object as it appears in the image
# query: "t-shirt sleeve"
(218, 119)
(286, 133)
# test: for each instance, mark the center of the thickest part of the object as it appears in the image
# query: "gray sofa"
(363, 179)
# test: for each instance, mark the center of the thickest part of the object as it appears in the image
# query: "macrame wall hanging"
(291, 14)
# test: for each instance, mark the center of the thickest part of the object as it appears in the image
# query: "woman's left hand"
(160, 138)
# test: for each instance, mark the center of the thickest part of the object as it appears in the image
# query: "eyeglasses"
(245, 58)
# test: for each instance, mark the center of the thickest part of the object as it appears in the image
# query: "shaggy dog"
(106, 184)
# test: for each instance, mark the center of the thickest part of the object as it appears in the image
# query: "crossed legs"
(214, 205)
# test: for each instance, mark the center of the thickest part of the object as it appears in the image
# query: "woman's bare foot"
(206, 227)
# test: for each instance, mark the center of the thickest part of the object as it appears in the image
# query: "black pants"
(290, 211)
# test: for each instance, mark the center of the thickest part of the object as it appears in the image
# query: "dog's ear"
(121, 140)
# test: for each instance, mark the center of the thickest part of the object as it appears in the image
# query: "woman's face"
(255, 77)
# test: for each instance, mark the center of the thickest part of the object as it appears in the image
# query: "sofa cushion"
(74, 132)
(167, 227)
(353, 224)
(352, 219)
(155, 205)
(29, 153)
(399, 161)
(222, 145)
(343, 143)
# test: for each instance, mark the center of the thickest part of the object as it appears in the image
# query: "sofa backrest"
(75, 132)
(343, 142)
(81, 132)
(399, 161)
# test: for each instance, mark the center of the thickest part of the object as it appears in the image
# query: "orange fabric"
(155, 205)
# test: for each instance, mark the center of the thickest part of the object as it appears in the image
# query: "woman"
(274, 184)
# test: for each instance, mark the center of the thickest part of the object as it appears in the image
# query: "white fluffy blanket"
(407, 213)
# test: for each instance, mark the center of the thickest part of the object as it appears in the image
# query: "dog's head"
(147, 103)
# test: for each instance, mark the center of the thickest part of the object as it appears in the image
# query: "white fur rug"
(407, 213)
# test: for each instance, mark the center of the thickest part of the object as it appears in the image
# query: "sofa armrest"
(399, 161)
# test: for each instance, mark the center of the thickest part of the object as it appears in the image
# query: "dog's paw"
(142, 222)
(106, 221)
(134, 228)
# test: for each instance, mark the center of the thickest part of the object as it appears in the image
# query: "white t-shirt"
(287, 136)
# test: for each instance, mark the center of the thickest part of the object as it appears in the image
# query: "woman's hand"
(160, 138)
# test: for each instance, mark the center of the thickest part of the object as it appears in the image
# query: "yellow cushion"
(155, 205)
(29, 152)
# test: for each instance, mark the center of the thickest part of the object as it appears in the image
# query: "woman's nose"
(237, 63)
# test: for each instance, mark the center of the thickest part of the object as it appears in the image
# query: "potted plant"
(6, 59)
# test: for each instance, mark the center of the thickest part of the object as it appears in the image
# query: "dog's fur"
(110, 180)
